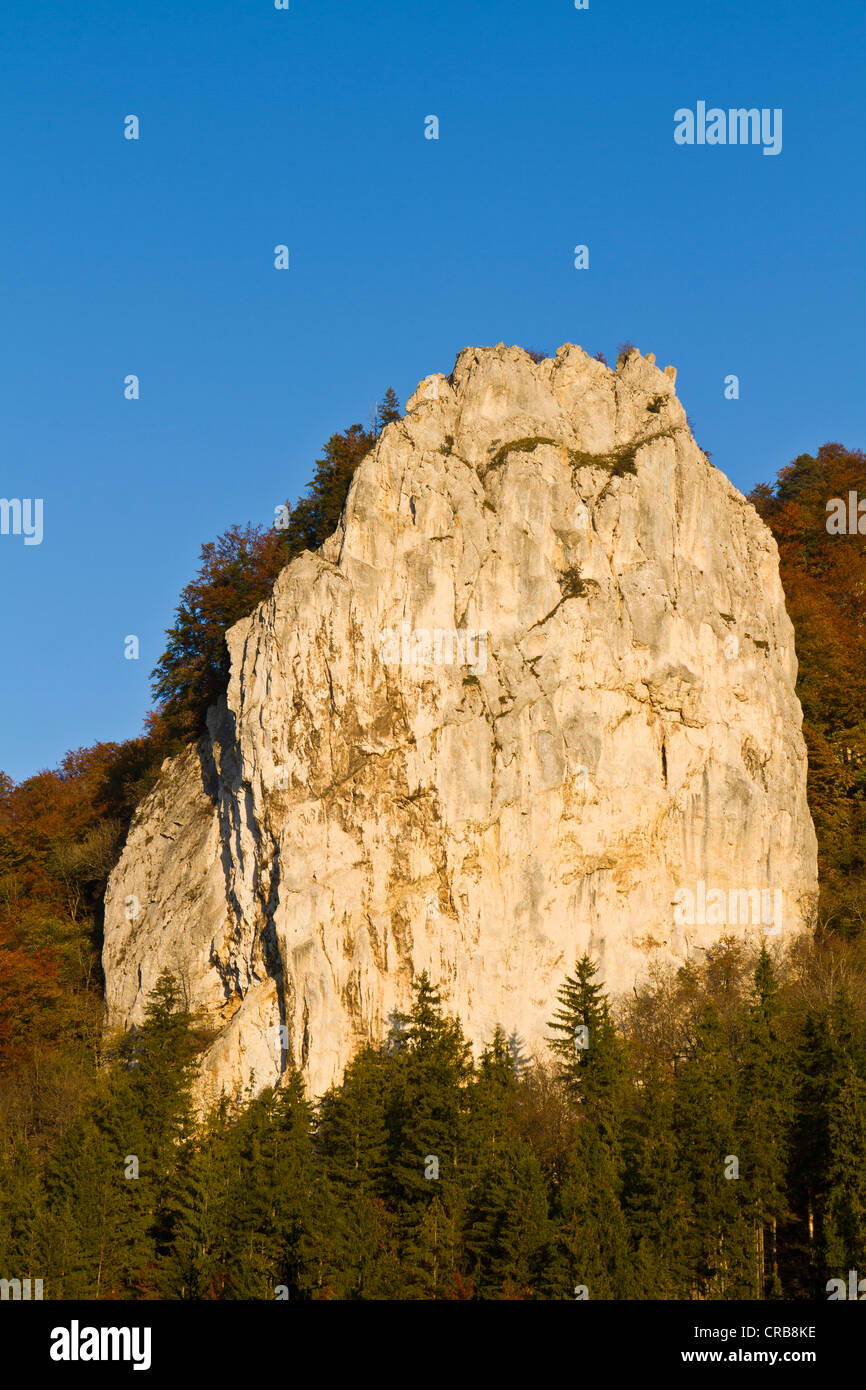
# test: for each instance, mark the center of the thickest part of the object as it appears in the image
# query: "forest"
(703, 1139)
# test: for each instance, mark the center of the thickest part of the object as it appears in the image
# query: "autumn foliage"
(824, 578)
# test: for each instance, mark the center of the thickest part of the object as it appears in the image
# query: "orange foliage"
(824, 577)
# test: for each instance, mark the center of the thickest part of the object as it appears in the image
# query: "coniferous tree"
(429, 1106)
(719, 1244)
(824, 1144)
(196, 1266)
(508, 1228)
(845, 1212)
(84, 1209)
(304, 1203)
(591, 1250)
(388, 410)
(766, 1102)
(352, 1140)
(151, 1117)
(492, 1096)
(26, 1237)
(351, 1132)
(428, 1132)
(655, 1200)
(592, 1057)
(316, 514)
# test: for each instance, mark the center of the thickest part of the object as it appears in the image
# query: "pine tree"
(428, 1116)
(153, 1118)
(719, 1242)
(492, 1097)
(271, 1159)
(159, 1059)
(352, 1142)
(196, 1264)
(591, 1245)
(351, 1131)
(388, 410)
(825, 1143)
(428, 1140)
(26, 1239)
(655, 1200)
(593, 1061)
(83, 1211)
(508, 1228)
(845, 1212)
(766, 1104)
(305, 1209)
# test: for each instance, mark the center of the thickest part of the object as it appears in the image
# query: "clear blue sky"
(306, 127)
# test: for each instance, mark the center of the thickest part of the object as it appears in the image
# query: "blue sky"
(306, 127)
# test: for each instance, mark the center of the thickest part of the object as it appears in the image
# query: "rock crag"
(534, 697)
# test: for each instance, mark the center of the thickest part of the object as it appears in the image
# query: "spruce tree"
(492, 1102)
(196, 1266)
(591, 1245)
(845, 1210)
(304, 1204)
(352, 1143)
(26, 1238)
(428, 1116)
(592, 1056)
(508, 1228)
(766, 1107)
(710, 1149)
(388, 410)
(824, 1153)
(428, 1140)
(655, 1199)
(84, 1205)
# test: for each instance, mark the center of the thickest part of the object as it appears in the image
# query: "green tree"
(508, 1229)
(90, 1255)
(305, 1207)
(719, 1243)
(25, 1236)
(388, 410)
(492, 1099)
(592, 1056)
(591, 1245)
(196, 1265)
(828, 1148)
(766, 1105)
(352, 1142)
(236, 572)
(428, 1124)
(845, 1214)
(655, 1200)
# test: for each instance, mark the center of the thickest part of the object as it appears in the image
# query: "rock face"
(535, 697)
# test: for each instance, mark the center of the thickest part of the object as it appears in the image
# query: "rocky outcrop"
(535, 697)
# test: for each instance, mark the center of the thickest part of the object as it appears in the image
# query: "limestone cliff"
(535, 697)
